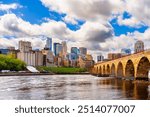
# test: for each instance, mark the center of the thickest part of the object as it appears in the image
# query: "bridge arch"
(143, 68)
(108, 69)
(120, 70)
(104, 70)
(113, 69)
(100, 70)
(129, 69)
(97, 69)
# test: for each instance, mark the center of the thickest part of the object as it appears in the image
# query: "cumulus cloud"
(14, 26)
(96, 33)
(8, 7)
(91, 10)
(70, 20)
(131, 22)
(90, 32)
(139, 9)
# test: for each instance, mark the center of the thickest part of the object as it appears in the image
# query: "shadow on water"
(129, 89)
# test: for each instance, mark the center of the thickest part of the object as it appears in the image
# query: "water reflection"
(71, 87)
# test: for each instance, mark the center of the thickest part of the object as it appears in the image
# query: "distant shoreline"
(38, 74)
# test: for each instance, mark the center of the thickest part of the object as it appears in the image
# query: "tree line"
(12, 64)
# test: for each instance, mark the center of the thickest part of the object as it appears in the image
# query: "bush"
(62, 70)
(9, 63)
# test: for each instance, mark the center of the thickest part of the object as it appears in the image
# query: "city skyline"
(107, 30)
(60, 49)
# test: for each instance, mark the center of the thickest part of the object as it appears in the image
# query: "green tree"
(9, 63)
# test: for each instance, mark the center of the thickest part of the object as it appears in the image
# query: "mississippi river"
(71, 87)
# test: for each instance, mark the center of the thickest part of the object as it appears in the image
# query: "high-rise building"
(72, 56)
(85, 63)
(139, 46)
(54, 49)
(48, 44)
(74, 50)
(100, 58)
(112, 56)
(64, 48)
(48, 57)
(83, 51)
(59, 48)
(25, 46)
(89, 57)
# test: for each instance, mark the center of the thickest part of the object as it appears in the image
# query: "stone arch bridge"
(132, 66)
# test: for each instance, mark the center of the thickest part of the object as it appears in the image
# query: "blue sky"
(35, 12)
(95, 24)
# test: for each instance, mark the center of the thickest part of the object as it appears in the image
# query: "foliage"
(62, 70)
(9, 63)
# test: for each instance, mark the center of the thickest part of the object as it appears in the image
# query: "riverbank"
(62, 70)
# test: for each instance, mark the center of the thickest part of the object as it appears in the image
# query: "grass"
(62, 70)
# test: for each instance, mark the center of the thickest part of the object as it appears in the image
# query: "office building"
(54, 48)
(48, 58)
(139, 46)
(58, 61)
(72, 56)
(75, 50)
(84, 63)
(64, 48)
(100, 58)
(83, 51)
(58, 50)
(112, 56)
(89, 57)
(48, 45)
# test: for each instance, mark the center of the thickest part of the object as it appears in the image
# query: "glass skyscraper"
(48, 43)
(57, 48)
(83, 51)
(75, 50)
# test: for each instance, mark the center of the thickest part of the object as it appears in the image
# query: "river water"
(70, 87)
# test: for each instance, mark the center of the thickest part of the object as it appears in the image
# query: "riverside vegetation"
(62, 70)
(9, 63)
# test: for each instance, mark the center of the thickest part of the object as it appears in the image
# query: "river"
(70, 87)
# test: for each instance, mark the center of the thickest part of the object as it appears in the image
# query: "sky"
(102, 26)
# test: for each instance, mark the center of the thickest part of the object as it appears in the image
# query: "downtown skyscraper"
(48, 43)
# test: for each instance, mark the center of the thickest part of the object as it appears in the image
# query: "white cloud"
(14, 26)
(91, 10)
(139, 9)
(96, 33)
(37, 43)
(90, 32)
(70, 20)
(131, 22)
(8, 7)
